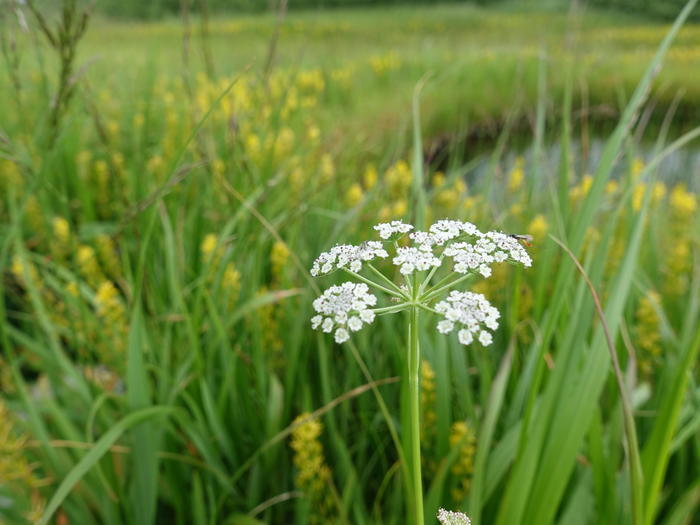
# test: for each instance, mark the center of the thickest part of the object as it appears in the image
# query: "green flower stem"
(390, 309)
(437, 290)
(414, 392)
(388, 281)
(428, 278)
(370, 282)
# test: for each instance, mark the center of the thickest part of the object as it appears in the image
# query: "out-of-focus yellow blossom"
(113, 129)
(155, 165)
(579, 191)
(108, 255)
(88, 265)
(648, 339)
(253, 147)
(369, 177)
(611, 187)
(231, 284)
(384, 63)
(429, 417)
(516, 175)
(218, 167)
(400, 208)
(208, 246)
(354, 195)
(284, 143)
(658, 192)
(108, 303)
(279, 259)
(313, 474)
(327, 168)
(18, 270)
(678, 266)
(637, 167)
(398, 179)
(35, 217)
(313, 133)
(10, 176)
(683, 203)
(462, 435)
(538, 227)
(16, 471)
(61, 242)
(438, 179)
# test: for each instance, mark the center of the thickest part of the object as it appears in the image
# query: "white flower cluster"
(469, 310)
(491, 247)
(410, 259)
(448, 517)
(343, 307)
(387, 229)
(442, 232)
(347, 256)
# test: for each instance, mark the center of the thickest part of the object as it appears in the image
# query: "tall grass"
(156, 349)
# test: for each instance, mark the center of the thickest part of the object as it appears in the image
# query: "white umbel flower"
(347, 256)
(448, 517)
(388, 229)
(473, 312)
(410, 259)
(489, 248)
(345, 308)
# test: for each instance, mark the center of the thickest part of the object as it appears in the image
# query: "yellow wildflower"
(462, 436)
(354, 195)
(538, 227)
(313, 474)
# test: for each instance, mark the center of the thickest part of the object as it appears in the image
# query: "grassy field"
(157, 359)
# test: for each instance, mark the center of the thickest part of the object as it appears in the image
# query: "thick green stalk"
(414, 390)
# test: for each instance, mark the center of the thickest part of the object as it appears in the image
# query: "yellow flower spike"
(354, 195)
(683, 203)
(208, 246)
(313, 133)
(647, 331)
(327, 168)
(88, 266)
(611, 187)
(538, 227)
(463, 436)
(638, 196)
(516, 175)
(279, 257)
(231, 284)
(637, 167)
(284, 143)
(369, 177)
(109, 256)
(35, 216)
(399, 209)
(313, 474)
(16, 471)
(438, 179)
(429, 416)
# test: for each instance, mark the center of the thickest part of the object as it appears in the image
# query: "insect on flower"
(522, 237)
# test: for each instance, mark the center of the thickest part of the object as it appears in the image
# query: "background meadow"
(166, 184)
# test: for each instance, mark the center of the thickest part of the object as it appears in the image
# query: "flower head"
(388, 229)
(471, 311)
(347, 256)
(448, 517)
(344, 308)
